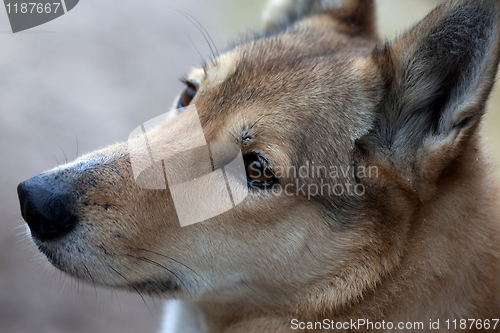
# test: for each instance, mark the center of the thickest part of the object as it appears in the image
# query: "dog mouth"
(154, 286)
(82, 271)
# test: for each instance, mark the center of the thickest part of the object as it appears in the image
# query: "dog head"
(342, 139)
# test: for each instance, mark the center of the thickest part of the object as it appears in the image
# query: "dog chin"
(61, 256)
(73, 260)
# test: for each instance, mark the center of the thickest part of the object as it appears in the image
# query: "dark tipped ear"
(355, 16)
(438, 77)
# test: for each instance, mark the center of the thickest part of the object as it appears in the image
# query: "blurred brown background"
(91, 77)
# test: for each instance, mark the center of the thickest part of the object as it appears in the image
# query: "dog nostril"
(46, 207)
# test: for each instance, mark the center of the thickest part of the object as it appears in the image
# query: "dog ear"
(438, 78)
(357, 16)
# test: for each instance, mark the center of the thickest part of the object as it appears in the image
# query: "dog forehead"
(305, 44)
(297, 68)
(219, 70)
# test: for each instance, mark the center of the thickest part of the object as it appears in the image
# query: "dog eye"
(258, 175)
(188, 95)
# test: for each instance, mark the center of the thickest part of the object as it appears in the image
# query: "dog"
(368, 202)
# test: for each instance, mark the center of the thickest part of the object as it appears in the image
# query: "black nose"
(46, 206)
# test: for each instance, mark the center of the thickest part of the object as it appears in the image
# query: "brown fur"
(318, 87)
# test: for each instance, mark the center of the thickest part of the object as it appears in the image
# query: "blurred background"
(86, 80)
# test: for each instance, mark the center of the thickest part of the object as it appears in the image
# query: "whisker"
(64, 153)
(91, 277)
(203, 31)
(57, 161)
(113, 291)
(20, 225)
(160, 265)
(181, 263)
(198, 51)
(132, 285)
(77, 150)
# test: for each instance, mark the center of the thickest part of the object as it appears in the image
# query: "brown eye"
(258, 175)
(187, 96)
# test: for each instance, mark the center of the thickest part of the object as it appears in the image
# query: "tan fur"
(423, 242)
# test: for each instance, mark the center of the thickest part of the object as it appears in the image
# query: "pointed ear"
(354, 16)
(438, 78)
